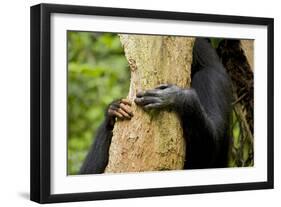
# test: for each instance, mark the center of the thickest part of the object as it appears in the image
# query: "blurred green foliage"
(215, 42)
(241, 146)
(97, 74)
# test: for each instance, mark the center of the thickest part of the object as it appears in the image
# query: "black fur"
(97, 158)
(204, 110)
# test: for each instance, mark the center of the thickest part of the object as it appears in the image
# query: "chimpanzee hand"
(163, 96)
(120, 109)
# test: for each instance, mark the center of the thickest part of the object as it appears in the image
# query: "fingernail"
(139, 94)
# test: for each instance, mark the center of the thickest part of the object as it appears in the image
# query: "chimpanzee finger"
(140, 94)
(123, 113)
(115, 114)
(152, 106)
(163, 86)
(126, 108)
(147, 100)
(126, 101)
(153, 92)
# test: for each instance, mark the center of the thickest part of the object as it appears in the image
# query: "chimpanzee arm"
(205, 113)
(97, 158)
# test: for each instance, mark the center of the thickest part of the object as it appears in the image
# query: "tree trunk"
(248, 48)
(151, 141)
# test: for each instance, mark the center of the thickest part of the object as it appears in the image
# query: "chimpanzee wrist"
(109, 121)
(184, 98)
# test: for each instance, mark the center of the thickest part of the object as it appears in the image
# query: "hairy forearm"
(198, 128)
(97, 157)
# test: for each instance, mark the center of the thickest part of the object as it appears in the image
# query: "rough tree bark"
(151, 141)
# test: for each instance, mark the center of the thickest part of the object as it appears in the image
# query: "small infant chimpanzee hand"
(163, 96)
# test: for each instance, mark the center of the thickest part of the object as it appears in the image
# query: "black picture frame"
(41, 96)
